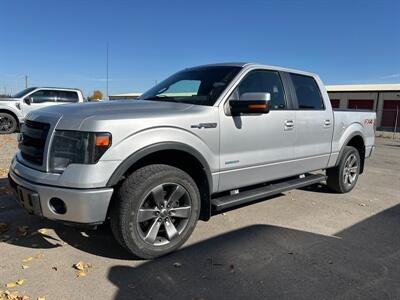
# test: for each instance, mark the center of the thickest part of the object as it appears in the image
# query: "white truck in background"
(13, 110)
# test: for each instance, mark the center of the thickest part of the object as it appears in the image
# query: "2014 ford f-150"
(206, 139)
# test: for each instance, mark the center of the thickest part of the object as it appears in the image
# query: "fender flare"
(352, 135)
(135, 157)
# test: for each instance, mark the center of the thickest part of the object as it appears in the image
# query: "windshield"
(201, 86)
(23, 93)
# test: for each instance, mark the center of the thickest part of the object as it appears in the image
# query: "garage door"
(335, 103)
(361, 104)
(389, 112)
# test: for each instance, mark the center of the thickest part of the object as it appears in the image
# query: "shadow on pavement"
(268, 262)
(254, 262)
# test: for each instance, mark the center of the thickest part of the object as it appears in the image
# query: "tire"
(8, 124)
(343, 177)
(155, 210)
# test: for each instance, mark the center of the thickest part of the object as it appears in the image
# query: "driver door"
(39, 99)
(256, 148)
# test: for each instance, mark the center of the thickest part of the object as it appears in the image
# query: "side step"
(244, 197)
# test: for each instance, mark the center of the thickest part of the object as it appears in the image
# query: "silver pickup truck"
(205, 140)
(13, 110)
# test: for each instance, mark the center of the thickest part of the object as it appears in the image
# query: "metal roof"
(377, 87)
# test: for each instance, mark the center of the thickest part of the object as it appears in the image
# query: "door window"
(263, 81)
(67, 96)
(307, 92)
(43, 96)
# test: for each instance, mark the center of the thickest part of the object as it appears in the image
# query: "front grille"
(33, 141)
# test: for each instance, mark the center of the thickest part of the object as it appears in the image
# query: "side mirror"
(250, 103)
(28, 100)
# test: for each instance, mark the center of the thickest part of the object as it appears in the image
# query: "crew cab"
(204, 140)
(13, 110)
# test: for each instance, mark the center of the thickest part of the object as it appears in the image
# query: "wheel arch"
(174, 154)
(10, 112)
(355, 140)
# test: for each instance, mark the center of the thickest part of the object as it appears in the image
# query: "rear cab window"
(307, 92)
(67, 96)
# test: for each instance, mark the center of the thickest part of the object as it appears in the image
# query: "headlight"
(77, 147)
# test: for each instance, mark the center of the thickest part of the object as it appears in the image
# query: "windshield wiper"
(156, 97)
(162, 98)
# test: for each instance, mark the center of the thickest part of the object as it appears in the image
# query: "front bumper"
(85, 206)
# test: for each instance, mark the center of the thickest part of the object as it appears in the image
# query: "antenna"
(107, 73)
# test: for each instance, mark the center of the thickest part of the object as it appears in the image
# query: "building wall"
(378, 105)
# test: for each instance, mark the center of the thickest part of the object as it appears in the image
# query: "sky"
(64, 42)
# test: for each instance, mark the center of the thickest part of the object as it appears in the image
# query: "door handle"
(327, 123)
(289, 124)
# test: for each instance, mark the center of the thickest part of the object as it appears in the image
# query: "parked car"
(206, 139)
(13, 110)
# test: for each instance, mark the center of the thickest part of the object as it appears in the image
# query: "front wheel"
(343, 177)
(155, 210)
(8, 124)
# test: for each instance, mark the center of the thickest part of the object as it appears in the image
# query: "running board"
(244, 197)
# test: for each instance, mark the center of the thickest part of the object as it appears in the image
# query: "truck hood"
(74, 115)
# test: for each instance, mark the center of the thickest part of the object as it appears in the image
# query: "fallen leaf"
(41, 298)
(54, 268)
(27, 259)
(3, 227)
(79, 266)
(363, 204)
(43, 230)
(39, 255)
(5, 190)
(80, 273)
(22, 230)
(24, 267)
(3, 172)
(20, 281)
(10, 285)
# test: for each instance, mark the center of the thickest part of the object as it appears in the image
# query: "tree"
(97, 95)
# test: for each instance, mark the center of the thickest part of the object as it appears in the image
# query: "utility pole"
(26, 81)
(107, 74)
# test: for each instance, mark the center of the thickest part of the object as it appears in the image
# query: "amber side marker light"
(103, 140)
(257, 106)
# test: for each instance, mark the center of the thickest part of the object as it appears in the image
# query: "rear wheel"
(343, 177)
(155, 210)
(8, 124)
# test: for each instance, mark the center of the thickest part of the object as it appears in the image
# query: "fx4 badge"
(204, 125)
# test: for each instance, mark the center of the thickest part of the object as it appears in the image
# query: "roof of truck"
(252, 64)
(55, 88)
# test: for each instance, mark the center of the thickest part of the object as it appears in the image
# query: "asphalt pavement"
(305, 244)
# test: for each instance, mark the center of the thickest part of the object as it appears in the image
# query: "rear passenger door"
(314, 124)
(67, 97)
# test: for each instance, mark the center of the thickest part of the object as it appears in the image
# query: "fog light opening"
(57, 206)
